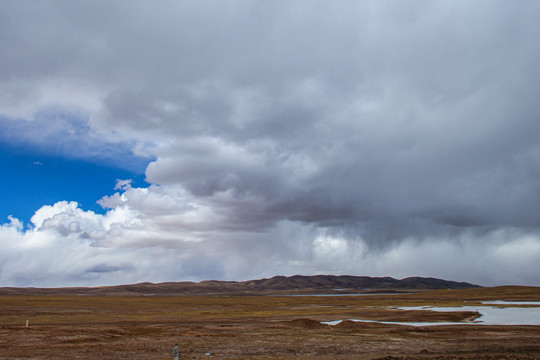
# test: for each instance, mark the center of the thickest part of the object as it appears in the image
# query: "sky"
(235, 140)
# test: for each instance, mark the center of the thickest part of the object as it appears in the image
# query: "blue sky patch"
(32, 180)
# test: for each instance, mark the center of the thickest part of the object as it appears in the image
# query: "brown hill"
(297, 284)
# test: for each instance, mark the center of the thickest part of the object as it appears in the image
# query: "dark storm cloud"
(395, 110)
(435, 118)
(104, 268)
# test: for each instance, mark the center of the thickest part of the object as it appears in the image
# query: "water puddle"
(347, 294)
(511, 314)
(513, 303)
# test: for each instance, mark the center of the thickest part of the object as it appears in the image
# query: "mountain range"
(297, 284)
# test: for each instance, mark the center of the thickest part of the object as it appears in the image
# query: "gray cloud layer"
(375, 126)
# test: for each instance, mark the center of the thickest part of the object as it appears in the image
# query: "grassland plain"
(259, 327)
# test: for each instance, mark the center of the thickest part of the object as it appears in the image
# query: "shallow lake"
(348, 294)
(491, 315)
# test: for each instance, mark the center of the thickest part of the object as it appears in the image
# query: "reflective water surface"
(514, 313)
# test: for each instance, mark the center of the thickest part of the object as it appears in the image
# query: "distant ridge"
(278, 284)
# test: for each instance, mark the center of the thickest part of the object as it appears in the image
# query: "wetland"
(258, 326)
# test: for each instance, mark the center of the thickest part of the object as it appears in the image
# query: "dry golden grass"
(256, 327)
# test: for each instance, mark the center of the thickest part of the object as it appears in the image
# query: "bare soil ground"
(258, 327)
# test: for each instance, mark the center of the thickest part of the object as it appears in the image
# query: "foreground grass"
(254, 327)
